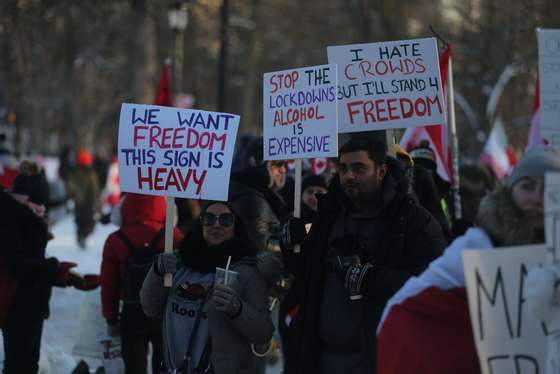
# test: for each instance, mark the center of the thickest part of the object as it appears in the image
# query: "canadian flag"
(497, 153)
(112, 191)
(436, 135)
(318, 165)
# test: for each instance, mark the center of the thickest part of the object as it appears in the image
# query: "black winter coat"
(409, 239)
(261, 209)
(24, 238)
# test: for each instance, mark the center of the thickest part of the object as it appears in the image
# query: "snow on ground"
(63, 327)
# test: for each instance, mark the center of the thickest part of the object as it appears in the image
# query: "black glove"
(165, 263)
(225, 299)
(353, 278)
(293, 232)
(62, 278)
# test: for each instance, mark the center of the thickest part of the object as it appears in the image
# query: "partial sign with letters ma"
(509, 339)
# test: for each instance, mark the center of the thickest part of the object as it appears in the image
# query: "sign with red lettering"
(299, 113)
(388, 85)
(509, 338)
(176, 152)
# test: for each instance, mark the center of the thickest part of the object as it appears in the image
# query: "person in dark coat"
(368, 239)
(26, 276)
(83, 188)
(423, 187)
(254, 193)
(311, 186)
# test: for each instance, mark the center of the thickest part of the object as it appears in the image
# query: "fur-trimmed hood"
(270, 266)
(504, 222)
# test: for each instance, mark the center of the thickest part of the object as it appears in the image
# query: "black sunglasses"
(225, 219)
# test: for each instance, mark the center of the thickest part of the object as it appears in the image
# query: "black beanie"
(313, 180)
(254, 153)
(31, 182)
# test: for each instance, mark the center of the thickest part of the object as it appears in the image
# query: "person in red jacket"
(143, 224)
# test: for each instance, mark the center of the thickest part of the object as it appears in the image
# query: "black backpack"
(136, 267)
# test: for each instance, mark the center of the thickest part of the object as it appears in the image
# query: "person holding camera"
(367, 240)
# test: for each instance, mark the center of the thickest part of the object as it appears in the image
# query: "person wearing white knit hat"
(428, 312)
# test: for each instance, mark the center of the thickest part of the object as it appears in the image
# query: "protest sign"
(509, 339)
(299, 113)
(388, 85)
(552, 215)
(176, 152)
(552, 227)
(549, 85)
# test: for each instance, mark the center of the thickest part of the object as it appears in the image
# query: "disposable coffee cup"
(220, 277)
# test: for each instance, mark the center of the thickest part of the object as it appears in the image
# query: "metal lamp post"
(178, 19)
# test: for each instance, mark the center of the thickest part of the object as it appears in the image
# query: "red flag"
(163, 95)
(436, 135)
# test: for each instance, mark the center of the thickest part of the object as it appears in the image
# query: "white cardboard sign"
(549, 85)
(509, 339)
(552, 216)
(300, 113)
(552, 230)
(176, 152)
(388, 85)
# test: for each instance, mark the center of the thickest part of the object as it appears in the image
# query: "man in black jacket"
(367, 240)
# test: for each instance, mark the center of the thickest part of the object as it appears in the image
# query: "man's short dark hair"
(376, 150)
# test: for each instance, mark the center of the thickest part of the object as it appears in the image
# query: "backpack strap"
(153, 243)
(126, 240)
(157, 238)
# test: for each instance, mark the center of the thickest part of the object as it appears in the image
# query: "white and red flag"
(535, 137)
(437, 134)
(319, 165)
(112, 190)
(426, 325)
(497, 153)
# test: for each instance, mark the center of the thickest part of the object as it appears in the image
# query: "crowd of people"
(246, 267)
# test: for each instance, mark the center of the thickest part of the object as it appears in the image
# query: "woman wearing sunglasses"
(212, 328)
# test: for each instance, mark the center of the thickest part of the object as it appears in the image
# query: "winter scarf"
(202, 258)
(504, 222)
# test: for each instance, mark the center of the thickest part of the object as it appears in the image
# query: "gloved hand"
(542, 293)
(293, 232)
(225, 299)
(352, 276)
(113, 328)
(63, 273)
(165, 263)
(86, 282)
